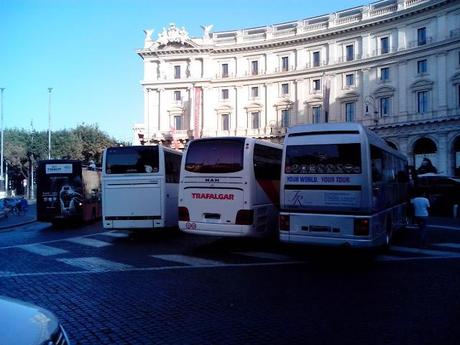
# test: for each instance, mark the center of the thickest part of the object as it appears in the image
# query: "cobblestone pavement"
(110, 287)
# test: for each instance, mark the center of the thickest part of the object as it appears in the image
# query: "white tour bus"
(230, 187)
(139, 187)
(341, 185)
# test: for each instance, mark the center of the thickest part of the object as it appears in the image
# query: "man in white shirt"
(421, 205)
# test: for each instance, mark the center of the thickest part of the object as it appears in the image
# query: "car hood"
(25, 324)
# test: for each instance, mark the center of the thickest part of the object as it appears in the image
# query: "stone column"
(443, 154)
(296, 106)
(206, 114)
(402, 37)
(404, 149)
(442, 81)
(365, 91)
(268, 108)
(163, 118)
(402, 87)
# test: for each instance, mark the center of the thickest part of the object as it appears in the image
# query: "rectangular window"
(422, 101)
(176, 72)
(225, 122)
(215, 156)
(224, 93)
(421, 36)
(284, 89)
(224, 70)
(285, 118)
(177, 96)
(323, 159)
(285, 63)
(350, 80)
(254, 91)
(385, 73)
(384, 45)
(422, 66)
(350, 111)
(255, 67)
(458, 95)
(350, 52)
(132, 160)
(316, 112)
(316, 59)
(316, 84)
(178, 122)
(255, 117)
(384, 106)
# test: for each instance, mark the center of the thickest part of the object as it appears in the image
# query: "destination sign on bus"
(318, 179)
(58, 168)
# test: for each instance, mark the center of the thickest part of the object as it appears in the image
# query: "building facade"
(393, 65)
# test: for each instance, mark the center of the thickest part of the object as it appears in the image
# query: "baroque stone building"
(393, 65)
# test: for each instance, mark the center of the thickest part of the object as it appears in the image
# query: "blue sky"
(85, 50)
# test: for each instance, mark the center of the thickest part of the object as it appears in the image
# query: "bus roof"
(342, 128)
(326, 127)
(268, 143)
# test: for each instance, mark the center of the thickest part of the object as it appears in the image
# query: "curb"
(10, 227)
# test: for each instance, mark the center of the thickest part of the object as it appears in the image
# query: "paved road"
(109, 287)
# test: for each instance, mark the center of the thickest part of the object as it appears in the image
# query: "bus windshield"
(215, 156)
(132, 160)
(323, 159)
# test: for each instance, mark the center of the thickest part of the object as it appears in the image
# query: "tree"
(94, 141)
(23, 148)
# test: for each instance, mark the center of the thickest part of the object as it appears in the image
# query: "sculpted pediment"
(172, 38)
(384, 91)
(422, 84)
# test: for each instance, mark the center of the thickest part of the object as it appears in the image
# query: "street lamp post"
(49, 122)
(2, 176)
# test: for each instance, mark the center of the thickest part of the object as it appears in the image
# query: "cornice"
(302, 38)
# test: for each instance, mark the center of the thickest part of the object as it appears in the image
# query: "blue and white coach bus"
(341, 185)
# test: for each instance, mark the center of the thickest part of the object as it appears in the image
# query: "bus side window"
(376, 164)
(172, 167)
(267, 163)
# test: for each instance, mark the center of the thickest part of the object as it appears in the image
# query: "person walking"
(421, 211)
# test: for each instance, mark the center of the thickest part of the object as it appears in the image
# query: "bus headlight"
(361, 227)
(284, 222)
(183, 214)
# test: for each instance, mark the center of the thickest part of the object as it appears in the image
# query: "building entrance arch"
(425, 156)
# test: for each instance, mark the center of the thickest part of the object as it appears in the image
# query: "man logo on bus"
(213, 196)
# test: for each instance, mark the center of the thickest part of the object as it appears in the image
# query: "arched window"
(425, 156)
(457, 156)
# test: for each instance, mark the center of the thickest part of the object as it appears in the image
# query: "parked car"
(27, 324)
(443, 192)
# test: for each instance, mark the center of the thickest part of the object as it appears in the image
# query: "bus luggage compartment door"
(133, 205)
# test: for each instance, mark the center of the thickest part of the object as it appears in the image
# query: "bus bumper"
(330, 230)
(133, 224)
(213, 229)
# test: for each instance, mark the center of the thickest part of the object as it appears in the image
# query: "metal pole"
(6, 180)
(2, 177)
(49, 122)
